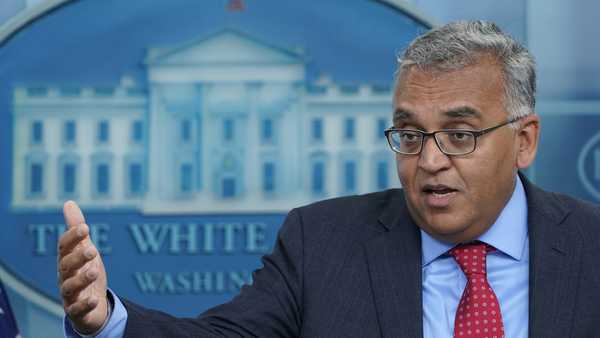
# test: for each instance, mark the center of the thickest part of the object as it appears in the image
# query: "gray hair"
(463, 43)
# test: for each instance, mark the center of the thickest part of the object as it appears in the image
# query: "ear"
(527, 140)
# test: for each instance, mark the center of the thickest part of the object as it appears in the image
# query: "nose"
(431, 158)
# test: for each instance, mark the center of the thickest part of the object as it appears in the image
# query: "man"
(468, 247)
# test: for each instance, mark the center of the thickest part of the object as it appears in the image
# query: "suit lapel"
(394, 261)
(554, 264)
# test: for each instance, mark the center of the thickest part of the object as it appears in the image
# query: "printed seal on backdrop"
(588, 166)
(186, 130)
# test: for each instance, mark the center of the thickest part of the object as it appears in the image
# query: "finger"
(72, 213)
(69, 264)
(71, 238)
(72, 287)
(82, 307)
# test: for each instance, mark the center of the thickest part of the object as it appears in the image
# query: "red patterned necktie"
(478, 314)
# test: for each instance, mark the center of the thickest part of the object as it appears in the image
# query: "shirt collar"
(507, 234)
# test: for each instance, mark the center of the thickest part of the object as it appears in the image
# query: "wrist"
(109, 310)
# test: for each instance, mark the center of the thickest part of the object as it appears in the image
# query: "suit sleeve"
(270, 307)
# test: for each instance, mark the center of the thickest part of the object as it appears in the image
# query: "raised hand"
(81, 274)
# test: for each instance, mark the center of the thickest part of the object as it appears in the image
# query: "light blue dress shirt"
(443, 280)
(507, 270)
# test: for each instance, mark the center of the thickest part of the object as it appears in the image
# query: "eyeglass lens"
(450, 142)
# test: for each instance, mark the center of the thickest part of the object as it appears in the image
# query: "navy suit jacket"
(351, 267)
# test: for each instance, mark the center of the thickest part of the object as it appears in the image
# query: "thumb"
(72, 213)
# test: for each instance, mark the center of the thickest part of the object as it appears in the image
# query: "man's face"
(457, 198)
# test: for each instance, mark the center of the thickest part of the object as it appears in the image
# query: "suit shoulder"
(586, 213)
(335, 226)
(576, 204)
(347, 219)
(355, 207)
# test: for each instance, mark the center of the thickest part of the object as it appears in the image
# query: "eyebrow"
(401, 114)
(463, 112)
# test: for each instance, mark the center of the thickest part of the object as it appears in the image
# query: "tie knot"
(471, 257)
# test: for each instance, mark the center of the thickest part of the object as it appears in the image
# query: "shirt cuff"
(114, 326)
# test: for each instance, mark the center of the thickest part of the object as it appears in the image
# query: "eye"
(408, 136)
(460, 136)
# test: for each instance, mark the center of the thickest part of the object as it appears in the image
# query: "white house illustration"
(226, 123)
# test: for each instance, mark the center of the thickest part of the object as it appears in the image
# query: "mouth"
(439, 195)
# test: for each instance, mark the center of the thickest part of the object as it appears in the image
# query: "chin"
(446, 229)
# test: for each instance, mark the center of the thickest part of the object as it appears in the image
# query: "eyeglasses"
(449, 141)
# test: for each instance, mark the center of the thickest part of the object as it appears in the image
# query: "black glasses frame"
(476, 133)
